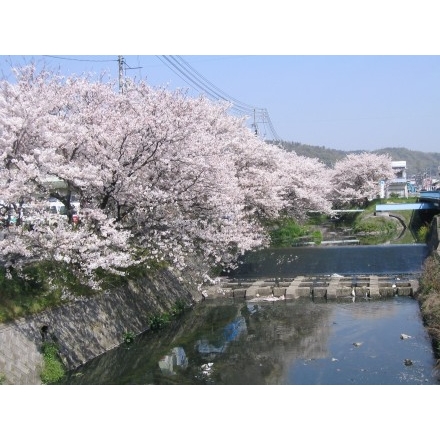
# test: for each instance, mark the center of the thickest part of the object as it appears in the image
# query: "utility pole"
(121, 73)
(255, 125)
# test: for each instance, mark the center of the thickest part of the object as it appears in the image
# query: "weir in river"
(247, 331)
(331, 287)
(380, 260)
(324, 273)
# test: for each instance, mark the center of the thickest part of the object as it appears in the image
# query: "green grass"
(422, 233)
(384, 228)
(39, 286)
(22, 296)
(287, 232)
(369, 228)
(45, 285)
(53, 369)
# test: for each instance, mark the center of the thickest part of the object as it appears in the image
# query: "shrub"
(128, 337)
(285, 232)
(53, 369)
(177, 309)
(157, 322)
(422, 233)
(376, 225)
(317, 237)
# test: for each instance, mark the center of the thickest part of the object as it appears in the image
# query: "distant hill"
(417, 162)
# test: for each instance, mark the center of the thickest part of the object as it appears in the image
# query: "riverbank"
(429, 299)
(91, 325)
(429, 288)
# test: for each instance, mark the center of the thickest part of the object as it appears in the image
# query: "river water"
(325, 260)
(303, 341)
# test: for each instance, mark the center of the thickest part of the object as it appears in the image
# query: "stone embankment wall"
(434, 235)
(90, 326)
(87, 327)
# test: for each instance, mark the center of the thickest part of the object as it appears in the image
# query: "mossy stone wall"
(87, 327)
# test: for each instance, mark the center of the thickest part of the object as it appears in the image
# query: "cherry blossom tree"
(159, 176)
(355, 179)
(151, 169)
(306, 185)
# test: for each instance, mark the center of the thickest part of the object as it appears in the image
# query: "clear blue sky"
(340, 83)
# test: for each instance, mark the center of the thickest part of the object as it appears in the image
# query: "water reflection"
(367, 348)
(352, 340)
(231, 341)
(230, 332)
(175, 358)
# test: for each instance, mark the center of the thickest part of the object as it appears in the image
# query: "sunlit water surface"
(231, 341)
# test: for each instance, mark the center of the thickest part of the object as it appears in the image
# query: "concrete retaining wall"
(434, 235)
(87, 327)
(91, 326)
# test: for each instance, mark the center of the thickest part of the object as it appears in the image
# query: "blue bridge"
(427, 200)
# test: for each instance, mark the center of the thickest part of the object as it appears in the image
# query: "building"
(398, 186)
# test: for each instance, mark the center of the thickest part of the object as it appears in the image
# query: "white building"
(399, 185)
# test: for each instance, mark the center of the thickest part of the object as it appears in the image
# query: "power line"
(222, 95)
(202, 84)
(77, 59)
(196, 80)
(122, 69)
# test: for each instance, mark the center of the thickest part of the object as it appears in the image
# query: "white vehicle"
(56, 207)
(32, 213)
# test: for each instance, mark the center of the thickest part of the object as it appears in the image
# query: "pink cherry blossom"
(157, 175)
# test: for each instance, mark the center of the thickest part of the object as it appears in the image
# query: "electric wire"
(77, 59)
(202, 85)
(214, 90)
(196, 80)
(222, 94)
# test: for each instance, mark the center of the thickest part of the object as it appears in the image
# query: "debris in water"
(207, 368)
(408, 362)
(357, 344)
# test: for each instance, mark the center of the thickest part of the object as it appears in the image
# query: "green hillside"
(417, 162)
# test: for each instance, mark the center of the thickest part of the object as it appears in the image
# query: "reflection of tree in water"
(135, 363)
(141, 362)
(277, 334)
(224, 342)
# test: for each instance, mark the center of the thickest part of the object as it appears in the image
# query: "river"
(231, 341)
(325, 260)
